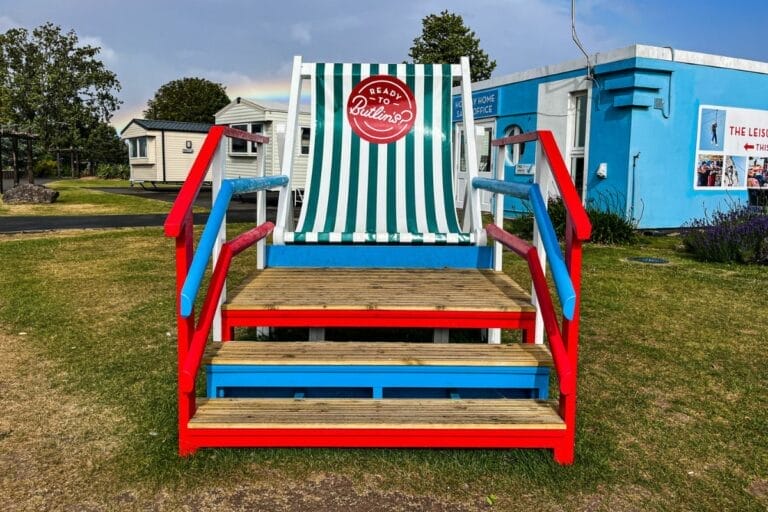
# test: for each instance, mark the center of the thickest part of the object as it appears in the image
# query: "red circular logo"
(381, 109)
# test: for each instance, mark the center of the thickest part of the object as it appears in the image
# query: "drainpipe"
(634, 181)
(162, 136)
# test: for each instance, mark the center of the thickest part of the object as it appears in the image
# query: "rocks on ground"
(30, 194)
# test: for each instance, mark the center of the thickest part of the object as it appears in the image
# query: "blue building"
(660, 134)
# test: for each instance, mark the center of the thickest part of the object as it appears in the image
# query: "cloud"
(226, 78)
(107, 53)
(7, 23)
(300, 32)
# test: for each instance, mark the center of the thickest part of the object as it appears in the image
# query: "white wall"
(555, 112)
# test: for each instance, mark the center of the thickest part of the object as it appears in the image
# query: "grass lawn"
(673, 396)
(78, 197)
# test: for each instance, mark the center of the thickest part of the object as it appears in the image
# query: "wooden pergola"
(15, 135)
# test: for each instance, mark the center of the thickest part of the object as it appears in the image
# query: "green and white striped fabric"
(396, 193)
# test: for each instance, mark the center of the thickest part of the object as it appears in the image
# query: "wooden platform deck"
(494, 414)
(391, 354)
(444, 290)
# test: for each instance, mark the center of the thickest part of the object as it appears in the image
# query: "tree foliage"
(444, 39)
(103, 146)
(193, 100)
(53, 85)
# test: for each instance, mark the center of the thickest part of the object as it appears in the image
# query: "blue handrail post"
(205, 247)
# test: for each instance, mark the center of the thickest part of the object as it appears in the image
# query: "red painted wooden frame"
(577, 231)
(554, 439)
(179, 225)
(563, 342)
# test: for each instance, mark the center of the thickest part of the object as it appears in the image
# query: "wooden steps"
(379, 289)
(376, 353)
(501, 414)
(379, 297)
(376, 370)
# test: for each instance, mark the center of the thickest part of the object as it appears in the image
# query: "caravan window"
(138, 147)
(240, 146)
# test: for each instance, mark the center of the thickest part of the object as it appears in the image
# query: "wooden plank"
(250, 413)
(383, 353)
(379, 289)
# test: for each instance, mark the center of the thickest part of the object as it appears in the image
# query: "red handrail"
(563, 365)
(181, 208)
(193, 359)
(573, 207)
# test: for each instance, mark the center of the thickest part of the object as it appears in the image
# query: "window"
(578, 127)
(580, 117)
(241, 146)
(305, 141)
(138, 147)
(514, 151)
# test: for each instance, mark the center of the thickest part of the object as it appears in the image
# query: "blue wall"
(650, 107)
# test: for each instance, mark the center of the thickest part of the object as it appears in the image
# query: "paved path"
(48, 223)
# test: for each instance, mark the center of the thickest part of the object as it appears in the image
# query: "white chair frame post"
(218, 172)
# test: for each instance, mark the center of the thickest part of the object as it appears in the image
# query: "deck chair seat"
(366, 186)
(380, 238)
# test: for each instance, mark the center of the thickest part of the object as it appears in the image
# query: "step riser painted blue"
(377, 378)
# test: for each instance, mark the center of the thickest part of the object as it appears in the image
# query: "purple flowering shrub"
(736, 235)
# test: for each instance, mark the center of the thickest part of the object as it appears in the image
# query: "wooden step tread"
(467, 290)
(378, 354)
(244, 413)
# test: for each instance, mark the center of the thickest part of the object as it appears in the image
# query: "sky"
(248, 46)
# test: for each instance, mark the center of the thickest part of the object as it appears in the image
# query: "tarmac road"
(240, 210)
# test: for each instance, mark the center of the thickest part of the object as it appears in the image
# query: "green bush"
(608, 227)
(113, 171)
(45, 168)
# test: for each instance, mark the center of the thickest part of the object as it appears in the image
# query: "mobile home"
(162, 151)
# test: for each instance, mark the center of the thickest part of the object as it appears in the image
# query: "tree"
(444, 39)
(52, 85)
(103, 146)
(194, 100)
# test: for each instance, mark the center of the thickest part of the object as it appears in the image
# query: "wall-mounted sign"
(731, 148)
(484, 104)
(525, 169)
(187, 147)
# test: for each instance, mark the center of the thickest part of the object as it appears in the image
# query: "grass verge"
(672, 407)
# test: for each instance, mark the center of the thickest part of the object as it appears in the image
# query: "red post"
(573, 259)
(185, 328)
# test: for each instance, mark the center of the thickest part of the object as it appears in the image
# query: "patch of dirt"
(55, 454)
(759, 489)
(51, 445)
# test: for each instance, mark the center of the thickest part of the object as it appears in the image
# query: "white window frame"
(251, 150)
(135, 147)
(575, 151)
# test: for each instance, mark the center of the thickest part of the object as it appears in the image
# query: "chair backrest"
(380, 168)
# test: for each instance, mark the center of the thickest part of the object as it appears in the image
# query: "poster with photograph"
(731, 148)
(757, 172)
(711, 129)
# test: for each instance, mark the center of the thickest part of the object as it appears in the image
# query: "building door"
(483, 138)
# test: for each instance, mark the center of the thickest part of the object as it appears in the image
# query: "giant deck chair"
(378, 243)
(380, 167)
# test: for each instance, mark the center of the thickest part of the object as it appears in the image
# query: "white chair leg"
(441, 336)
(316, 334)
